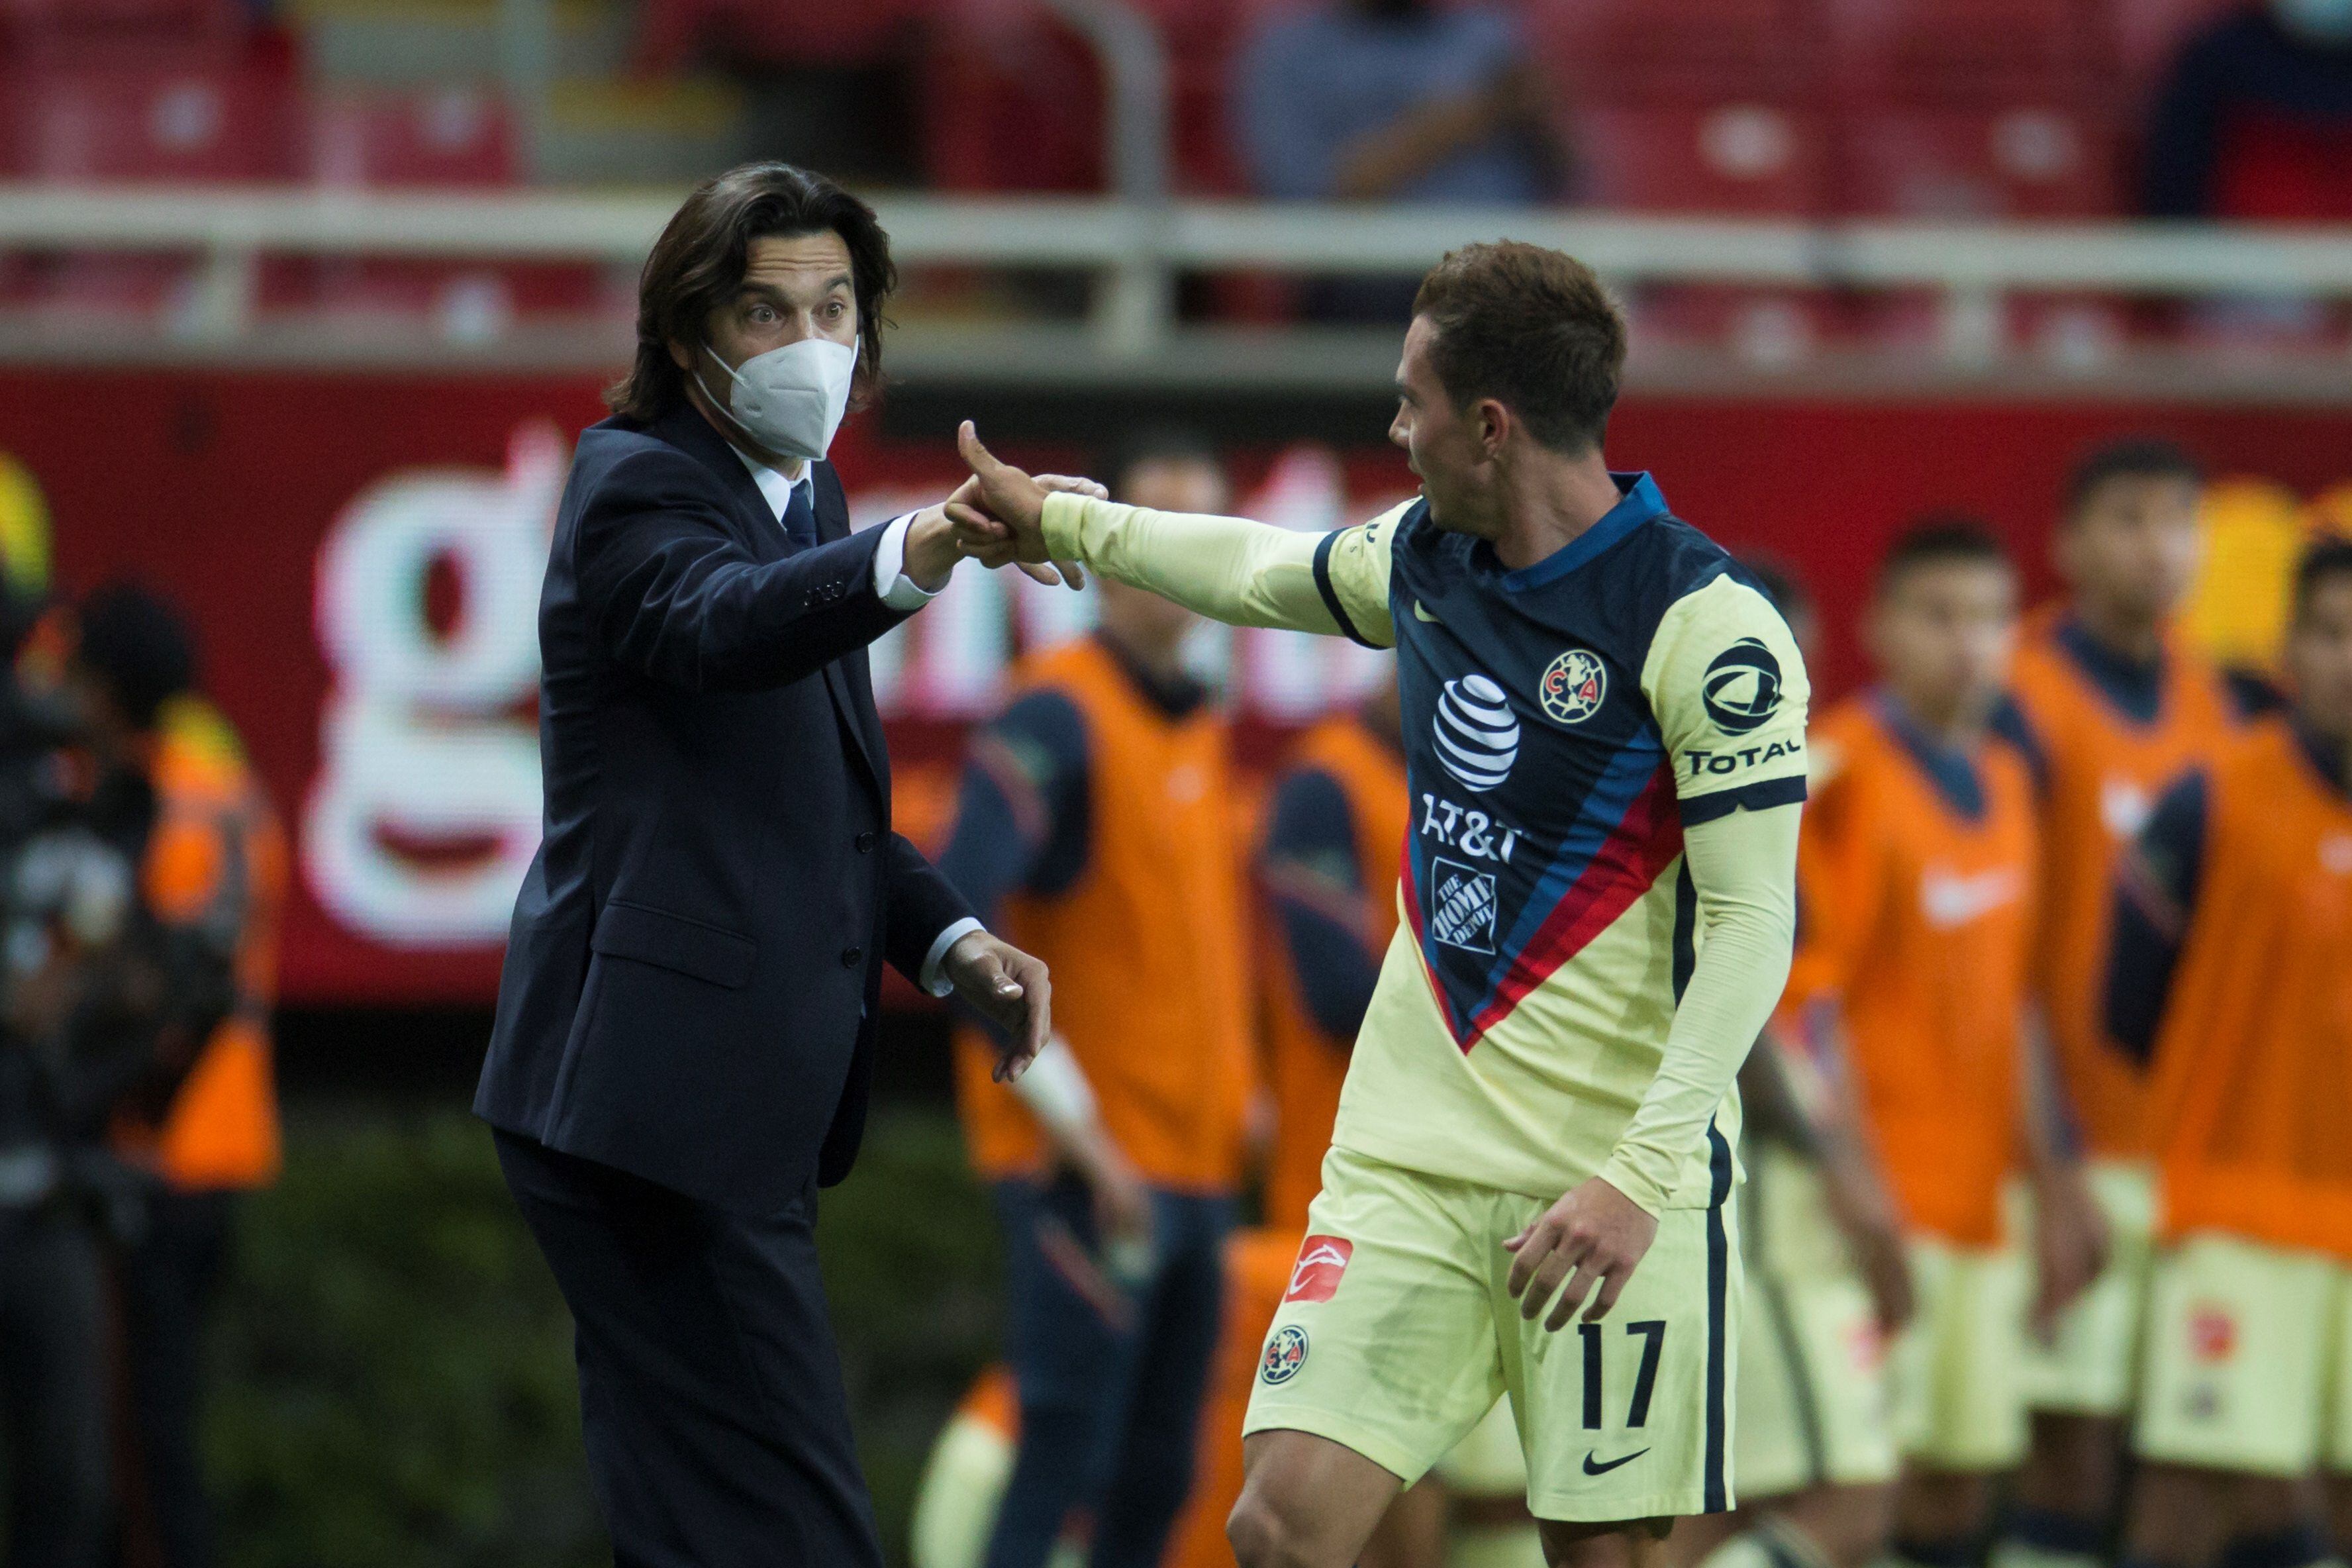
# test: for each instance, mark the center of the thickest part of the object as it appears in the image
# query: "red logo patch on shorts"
(2212, 1333)
(1321, 1260)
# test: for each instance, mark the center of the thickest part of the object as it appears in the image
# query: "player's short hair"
(1941, 539)
(1153, 444)
(697, 265)
(2132, 458)
(137, 647)
(2325, 560)
(1531, 328)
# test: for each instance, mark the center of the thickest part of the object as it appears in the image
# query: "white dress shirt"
(899, 592)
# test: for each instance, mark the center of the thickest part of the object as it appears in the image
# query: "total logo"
(1477, 735)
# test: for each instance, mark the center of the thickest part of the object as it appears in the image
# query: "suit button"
(866, 842)
(851, 957)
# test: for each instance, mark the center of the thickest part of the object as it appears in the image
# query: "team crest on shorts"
(1572, 689)
(1284, 1354)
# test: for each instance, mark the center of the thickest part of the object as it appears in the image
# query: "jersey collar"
(1639, 500)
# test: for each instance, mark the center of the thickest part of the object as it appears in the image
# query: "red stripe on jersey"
(1626, 865)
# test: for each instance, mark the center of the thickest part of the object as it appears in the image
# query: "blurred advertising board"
(361, 556)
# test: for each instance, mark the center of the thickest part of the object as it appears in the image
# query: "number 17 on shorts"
(1397, 1334)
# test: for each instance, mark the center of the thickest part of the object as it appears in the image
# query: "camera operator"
(197, 1112)
(76, 1004)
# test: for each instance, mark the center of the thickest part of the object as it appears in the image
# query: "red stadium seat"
(459, 136)
(1012, 102)
(1635, 49)
(1968, 47)
(2020, 159)
(157, 123)
(1736, 156)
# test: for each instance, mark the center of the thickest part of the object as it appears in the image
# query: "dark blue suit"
(686, 1018)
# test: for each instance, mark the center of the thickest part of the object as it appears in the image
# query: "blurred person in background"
(1326, 865)
(66, 895)
(2227, 972)
(202, 1117)
(2109, 706)
(1394, 101)
(1813, 1441)
(2254, 121)
(1097, 812)
(1916, 898)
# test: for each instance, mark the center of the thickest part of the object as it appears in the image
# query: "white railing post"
(218, 307)
(1135, 299)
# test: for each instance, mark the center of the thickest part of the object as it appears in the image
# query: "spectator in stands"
(2255, 120)
(200, 1115)
(1397, 100)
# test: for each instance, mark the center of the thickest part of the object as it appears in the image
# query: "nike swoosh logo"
(1421, 615)
(1592, 1470)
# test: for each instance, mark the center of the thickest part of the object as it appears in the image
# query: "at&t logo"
(1477, 737)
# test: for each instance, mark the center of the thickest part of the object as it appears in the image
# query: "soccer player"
(1604, 735)
(1326, 865)
(2110, 709)
(1097, 810)
(2230, 964)
(1828, 1287)
(1917, 893)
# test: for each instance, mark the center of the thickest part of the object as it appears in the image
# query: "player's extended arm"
(1227, 568)
(1743, 868)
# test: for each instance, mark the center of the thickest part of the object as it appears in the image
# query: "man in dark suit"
(686, 1018)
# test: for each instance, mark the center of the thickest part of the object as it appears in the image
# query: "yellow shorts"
(1813, 1401)
(1957, 1368)
(1397, 1336)
(2249, 1363)
(2092, 1367)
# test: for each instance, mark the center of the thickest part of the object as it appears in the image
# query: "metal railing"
(1134, 247)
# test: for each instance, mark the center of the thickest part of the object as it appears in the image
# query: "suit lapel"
(685, 428)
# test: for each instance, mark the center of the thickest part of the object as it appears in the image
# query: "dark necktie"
(800, 520)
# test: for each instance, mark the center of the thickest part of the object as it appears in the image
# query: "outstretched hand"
(1006, 523)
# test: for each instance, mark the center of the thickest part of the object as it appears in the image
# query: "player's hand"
(1008, 523)
(1001, 553)
(1008, 988)
(1122, 1203)
(2070, 1243)
(1594, 1236)
(1863, 1211)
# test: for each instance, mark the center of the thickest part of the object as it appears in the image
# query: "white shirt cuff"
(929, 977)
(891, 584)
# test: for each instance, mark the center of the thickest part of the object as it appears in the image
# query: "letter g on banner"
(425, 812)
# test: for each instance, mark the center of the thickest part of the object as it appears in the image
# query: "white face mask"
(790, 400)
(2326, 22)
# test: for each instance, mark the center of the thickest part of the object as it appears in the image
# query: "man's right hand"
(1009, 522)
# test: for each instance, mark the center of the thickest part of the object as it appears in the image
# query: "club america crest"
(1572, 690)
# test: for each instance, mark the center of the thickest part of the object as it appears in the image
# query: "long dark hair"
(697, 265)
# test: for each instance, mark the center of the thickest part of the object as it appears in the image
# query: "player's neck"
(1549, 501)
(2135, 637)
(1958, 724)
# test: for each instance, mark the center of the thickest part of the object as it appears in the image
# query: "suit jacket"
(695, 964)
